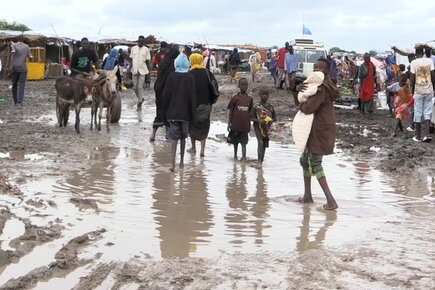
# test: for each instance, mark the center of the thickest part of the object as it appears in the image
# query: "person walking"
(367, 77)
(322, 137)
(141, 62)
(179, 105)
(273, 68)
(164, 68)
(422, 86)
(234, 61)
(19, 52)
(290, 68)
(198, 130)
(281, 60)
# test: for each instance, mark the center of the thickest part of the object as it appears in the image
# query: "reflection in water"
(236, 219)
(260, 207)
(98, 179)
(139, 116)
(182, 207)
(362, 171)
(304, 242)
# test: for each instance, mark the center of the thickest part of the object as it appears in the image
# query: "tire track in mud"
(66, 260)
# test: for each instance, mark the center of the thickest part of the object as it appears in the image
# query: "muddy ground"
(385, 258)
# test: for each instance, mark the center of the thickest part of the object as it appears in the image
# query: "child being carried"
(302, 123)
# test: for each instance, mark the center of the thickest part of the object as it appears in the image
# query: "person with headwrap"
(199, 129)
(393, 75)
(234, 64)
(179, 105)
(256, 66)
(111, 61)
(165, 67)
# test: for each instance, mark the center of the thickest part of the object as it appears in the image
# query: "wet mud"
(103, 211)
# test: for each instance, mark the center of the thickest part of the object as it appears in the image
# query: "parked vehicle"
(308, 53)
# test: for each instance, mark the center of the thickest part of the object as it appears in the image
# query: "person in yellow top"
(256, 66)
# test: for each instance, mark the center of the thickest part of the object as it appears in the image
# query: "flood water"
(211, 206)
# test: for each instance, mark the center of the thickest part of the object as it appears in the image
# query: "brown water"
(213, 205)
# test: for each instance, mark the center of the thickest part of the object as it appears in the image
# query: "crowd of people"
(185, 90)
(184, 97)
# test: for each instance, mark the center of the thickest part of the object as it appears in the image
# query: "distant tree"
(335, 49)
(4, 25)
(373, 52)
(353, 52)
(150, 39)
(274, 47)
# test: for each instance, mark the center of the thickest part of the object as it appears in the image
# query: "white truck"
(308, 53)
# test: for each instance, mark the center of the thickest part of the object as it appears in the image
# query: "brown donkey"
(72, 91)
(106, 91)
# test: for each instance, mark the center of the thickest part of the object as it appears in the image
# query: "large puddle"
(214, 205)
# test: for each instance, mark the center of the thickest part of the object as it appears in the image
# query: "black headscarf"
(166, 66)
(235, 57)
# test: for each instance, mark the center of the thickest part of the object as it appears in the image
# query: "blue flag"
(305, 30)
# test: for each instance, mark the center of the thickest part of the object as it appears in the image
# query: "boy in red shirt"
(239, 118)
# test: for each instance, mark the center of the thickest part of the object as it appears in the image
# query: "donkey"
(106, 91)
(72, 91)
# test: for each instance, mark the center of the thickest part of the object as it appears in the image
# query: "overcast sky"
(348, 24)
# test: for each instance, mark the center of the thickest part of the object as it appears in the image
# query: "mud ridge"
(66, 261)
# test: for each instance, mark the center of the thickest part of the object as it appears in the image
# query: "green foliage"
(335, 49)
(372, 52)
(150, 39)
(4, 25)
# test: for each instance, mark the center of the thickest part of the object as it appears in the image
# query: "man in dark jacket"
(322, 137)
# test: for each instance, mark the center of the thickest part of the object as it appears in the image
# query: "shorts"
(178, 130)
(422, 107)
(312, 164)
(237, 137)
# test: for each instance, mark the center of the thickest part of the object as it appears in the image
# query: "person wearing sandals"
(422, 86)
(198, 130)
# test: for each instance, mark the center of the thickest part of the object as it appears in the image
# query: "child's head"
(315, 78)
(243, 85)
(403, 79)
(402, 67)
(264, 94)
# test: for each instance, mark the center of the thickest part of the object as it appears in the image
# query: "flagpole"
(303, 23)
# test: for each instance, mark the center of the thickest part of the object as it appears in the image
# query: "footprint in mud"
(83, 203)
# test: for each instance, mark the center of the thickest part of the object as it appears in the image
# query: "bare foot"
(235, 158)
(152, 139)
(181, 165)
(202, 154)
(305, 200)
(243, 159)
(259, 165)
(191, 150)
(172, 168)
(327, 206)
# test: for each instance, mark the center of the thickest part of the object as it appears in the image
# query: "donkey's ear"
(115, 69)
